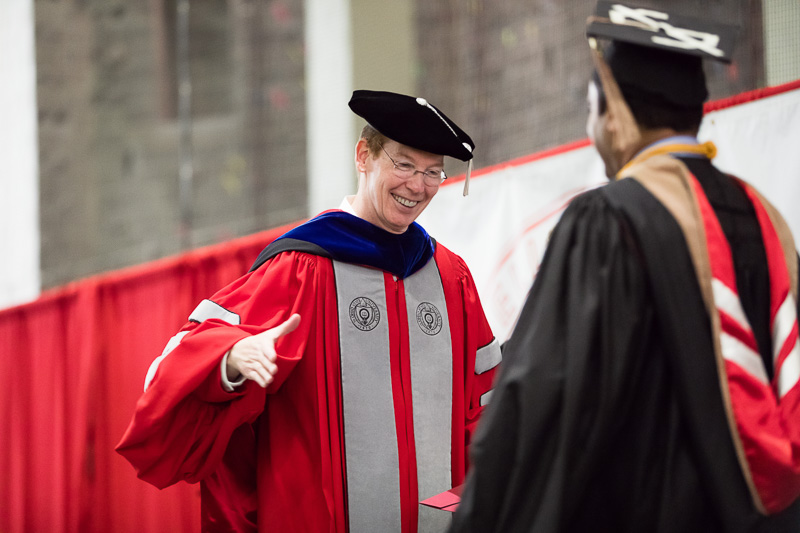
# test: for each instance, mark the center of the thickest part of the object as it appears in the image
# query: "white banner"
(759, 141)
(19, 189)
(501, 228)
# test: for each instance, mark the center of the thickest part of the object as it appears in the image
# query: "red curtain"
(73, 365)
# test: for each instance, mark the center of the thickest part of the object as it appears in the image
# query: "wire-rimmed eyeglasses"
(407, 170)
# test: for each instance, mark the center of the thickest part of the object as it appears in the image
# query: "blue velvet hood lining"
(347, 238)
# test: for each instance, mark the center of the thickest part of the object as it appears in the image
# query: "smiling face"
(386, 200)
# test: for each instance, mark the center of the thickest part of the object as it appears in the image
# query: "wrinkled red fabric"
(73, 364)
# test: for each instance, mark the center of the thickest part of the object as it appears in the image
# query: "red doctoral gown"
(375, 401)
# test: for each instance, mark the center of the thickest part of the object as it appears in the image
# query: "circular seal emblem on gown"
(429, 318)
(364, 313)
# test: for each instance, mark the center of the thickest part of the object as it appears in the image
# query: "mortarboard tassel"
(466, 180)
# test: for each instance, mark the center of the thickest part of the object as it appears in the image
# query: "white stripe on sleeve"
(208, 309)
(171, 345)
(488, 357)
(486, 397)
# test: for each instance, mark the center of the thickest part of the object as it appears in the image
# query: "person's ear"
(610, 121)
(361, 155)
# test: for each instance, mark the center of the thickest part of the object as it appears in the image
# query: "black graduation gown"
(607, 414)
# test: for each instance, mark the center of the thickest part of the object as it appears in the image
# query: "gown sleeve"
(184, 420)
(564, 378)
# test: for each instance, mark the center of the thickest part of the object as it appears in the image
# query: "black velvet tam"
(413, 122)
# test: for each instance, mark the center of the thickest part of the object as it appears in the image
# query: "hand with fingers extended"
(255, 358)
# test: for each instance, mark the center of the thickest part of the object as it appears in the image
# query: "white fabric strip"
(431, 358)
(750, 361)
(486, 397)
(488, 357)
(370, 435)
(171, 345)
(789, 372)
(782, 326)
(728, 302)
(208, 309)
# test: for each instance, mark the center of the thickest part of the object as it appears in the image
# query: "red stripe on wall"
(550, 152)
(750, 96)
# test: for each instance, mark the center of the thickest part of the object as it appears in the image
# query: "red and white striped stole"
(766, 412)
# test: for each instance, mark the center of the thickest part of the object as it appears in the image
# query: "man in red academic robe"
(338, 383)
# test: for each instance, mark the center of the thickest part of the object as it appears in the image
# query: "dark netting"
(515, 72)
(781, 41)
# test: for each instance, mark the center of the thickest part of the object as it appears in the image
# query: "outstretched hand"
(254, 357)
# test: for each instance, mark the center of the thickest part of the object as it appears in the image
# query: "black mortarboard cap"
(657, 55)
(412, 121)
(657, 75)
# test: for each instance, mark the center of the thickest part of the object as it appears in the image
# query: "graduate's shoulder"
(602, 215)
(592, 202)
(611, 198)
